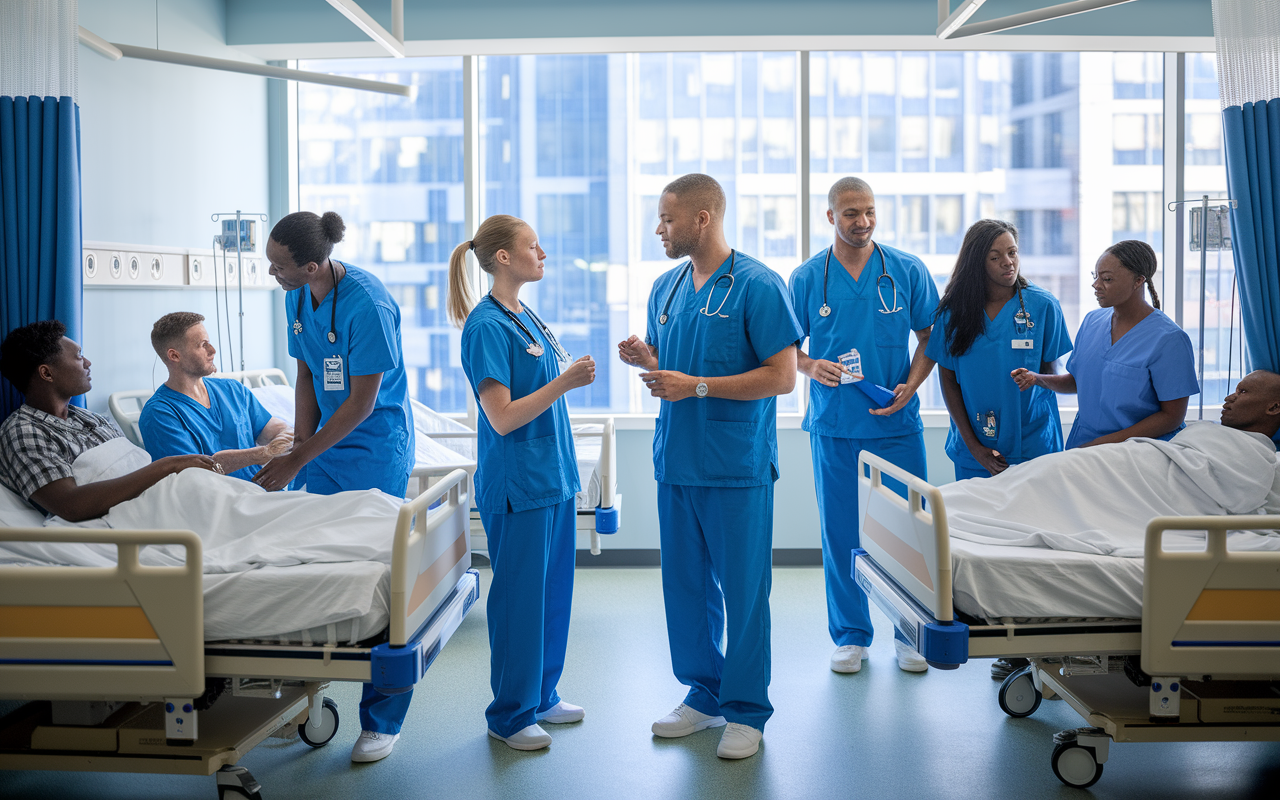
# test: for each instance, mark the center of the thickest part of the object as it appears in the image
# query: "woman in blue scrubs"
(353, 428)
(993, 321)
(1133, 367)
(526, 478)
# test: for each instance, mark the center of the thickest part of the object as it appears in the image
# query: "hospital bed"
(127, 683)
(1199, 661)
(598, 503)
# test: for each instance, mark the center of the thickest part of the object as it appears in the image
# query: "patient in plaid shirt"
(42, 439)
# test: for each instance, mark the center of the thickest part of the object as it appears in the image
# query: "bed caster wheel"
(1019, 696)
(1076, 765)
(236, 783)
(321, 734)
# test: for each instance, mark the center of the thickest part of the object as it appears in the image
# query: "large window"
(393, 168)
(1067, 146)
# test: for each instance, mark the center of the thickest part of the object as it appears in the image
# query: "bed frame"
(1198, 666)
(126, 407)
(120, 652)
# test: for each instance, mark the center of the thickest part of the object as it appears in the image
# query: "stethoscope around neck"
(706, 308)
(333, 307)
(532, 347)
(825, 310)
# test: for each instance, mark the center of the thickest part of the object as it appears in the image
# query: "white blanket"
(1100, 499)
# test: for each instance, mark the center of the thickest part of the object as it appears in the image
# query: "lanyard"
(333, 308)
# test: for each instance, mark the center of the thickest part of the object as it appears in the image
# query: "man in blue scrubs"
(353, 427)
(718, 350)
(860, 295)
(193, 413)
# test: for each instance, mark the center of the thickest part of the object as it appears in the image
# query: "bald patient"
(1255, 404)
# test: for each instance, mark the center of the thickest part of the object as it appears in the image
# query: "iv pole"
(1204, 275)
(239, 267)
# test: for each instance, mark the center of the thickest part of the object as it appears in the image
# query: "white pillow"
(112, 459)
(16, 512)
(277, 399)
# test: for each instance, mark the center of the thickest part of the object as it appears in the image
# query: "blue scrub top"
(711, 441)
(1027, 423)
(1122, 384)
(379, 452)
(882, 340)
(173, 424)
(535, 465)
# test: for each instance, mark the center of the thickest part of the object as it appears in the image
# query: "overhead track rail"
(955, 24)
(116, 51)
(392, 41)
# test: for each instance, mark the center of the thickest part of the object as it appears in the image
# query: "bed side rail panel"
(1215, 612)
(431, 552)
(91, 633)
(910, 544)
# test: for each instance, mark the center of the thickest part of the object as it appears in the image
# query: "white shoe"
(530, 738)
(739, 741)
(684, 721)
(848, 658)
(373, 746)
(561, 713)
(908, 659)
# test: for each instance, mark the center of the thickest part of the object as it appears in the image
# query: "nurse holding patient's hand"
(353, 428)
(526, 478)
(993, 322)
(1132, 366)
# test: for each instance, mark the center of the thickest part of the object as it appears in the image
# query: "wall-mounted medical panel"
(128, 266)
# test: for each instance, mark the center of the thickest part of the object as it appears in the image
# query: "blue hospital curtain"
(1248, 43)
(39, 170)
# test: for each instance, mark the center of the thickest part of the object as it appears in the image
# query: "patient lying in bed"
(1099, 500)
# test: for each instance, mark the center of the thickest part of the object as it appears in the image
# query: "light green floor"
(881, 733)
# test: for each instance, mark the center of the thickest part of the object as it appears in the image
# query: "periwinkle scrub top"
(712, 441)
(533, 466)
(1027, 423)
(173, 424)
(1122, 384)
(883, 341)
(379, 452)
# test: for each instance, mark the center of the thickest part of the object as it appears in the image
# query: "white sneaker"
(739, 741)
(684, 721)
(530, 738)
(373, 746)
(848, 658)
(908, 659)
(561, 713)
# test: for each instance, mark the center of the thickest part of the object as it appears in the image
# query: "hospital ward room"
(542, 399)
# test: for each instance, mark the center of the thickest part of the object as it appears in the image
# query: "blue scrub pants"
(380, 713)
(835, 477)
(532, 555)
(717, 551)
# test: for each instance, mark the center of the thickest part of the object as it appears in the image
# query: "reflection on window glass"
(392, 167)
(609, 132)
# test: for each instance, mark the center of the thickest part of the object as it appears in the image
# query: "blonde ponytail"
(496, 233)
(461, 297)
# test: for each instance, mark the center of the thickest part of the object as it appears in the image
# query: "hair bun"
(333, 226)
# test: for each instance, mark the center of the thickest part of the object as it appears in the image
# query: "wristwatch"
(701, 389)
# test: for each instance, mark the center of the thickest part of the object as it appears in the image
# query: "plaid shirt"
(37, 449)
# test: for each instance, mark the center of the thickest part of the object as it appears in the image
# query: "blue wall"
(164, 147)
(289, 21)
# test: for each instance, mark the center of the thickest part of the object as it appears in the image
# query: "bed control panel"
(179, 719)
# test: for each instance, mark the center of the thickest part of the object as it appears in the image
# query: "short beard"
(200, 373)
(681, 248)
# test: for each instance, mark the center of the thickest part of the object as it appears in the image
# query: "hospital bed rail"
(132, 634)
(1199, 666)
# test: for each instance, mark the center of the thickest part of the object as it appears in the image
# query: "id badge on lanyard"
(334, 377)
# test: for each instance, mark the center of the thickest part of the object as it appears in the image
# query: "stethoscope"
(1022, 321)
(532, 347)
(333, 309)
(825, 311)
(706, 309)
